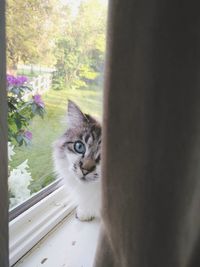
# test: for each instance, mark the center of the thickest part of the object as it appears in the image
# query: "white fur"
(85, 195)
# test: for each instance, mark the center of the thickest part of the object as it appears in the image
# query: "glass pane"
(55, 52)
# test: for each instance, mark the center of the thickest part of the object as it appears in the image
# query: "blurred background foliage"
(58, 34)
(67, 36)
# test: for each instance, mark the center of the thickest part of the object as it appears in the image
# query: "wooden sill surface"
(70, 244)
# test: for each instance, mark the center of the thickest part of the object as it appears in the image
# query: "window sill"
(31, 226)
(71, 244)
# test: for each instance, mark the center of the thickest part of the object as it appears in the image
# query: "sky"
(75, 4)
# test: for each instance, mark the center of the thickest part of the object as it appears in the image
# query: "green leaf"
(19, 139)
(18, 123)
(34, 108)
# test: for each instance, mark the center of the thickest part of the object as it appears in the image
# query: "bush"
(20, 110)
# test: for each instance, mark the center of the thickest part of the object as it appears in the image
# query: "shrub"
(20, 110)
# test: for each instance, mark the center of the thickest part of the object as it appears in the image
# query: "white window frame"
(33, 199)
(28, 228)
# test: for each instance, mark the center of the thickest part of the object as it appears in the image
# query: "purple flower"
(21, 80)
(16, 81)
(28, 135)
(11, 80)
(38, 100)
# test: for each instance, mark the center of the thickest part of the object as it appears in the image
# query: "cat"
(77, 157)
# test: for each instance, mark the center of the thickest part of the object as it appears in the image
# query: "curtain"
(151, 132)
(3, 146)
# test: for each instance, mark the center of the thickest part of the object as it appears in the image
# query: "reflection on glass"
(55, 52)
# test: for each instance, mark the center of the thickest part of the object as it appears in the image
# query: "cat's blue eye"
(79, 147)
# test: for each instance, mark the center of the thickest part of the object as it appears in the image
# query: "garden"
(37, 117)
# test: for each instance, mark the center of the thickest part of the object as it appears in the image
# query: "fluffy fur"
(77, 160)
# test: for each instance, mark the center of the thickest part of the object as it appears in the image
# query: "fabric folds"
(151, 131)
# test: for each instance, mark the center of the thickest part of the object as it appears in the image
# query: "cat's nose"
(87, 166)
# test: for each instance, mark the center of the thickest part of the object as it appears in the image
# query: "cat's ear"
(75, 117)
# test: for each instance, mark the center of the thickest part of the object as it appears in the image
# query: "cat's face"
(82, 145)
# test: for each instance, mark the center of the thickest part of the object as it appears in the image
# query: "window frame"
(33, 219)
(22, 207)
(28, 228)
(3, 145)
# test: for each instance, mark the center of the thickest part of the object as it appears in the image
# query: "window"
(55, 52)
(66, 63)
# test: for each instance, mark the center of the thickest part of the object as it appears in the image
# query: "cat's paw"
(83, 216)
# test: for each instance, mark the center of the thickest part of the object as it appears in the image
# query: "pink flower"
(28, 135)
(38, 100)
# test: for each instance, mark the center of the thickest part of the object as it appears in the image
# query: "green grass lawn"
(46, 131)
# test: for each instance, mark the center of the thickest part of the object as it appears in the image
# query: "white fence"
(35, 68)
(39, 85)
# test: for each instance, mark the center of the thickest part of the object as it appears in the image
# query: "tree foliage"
(80, 49)
(30, 29)
(49, 32)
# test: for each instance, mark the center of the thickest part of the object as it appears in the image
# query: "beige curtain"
(3, 146)
(151, 150)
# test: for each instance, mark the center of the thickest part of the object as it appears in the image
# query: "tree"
(48, 32)
(80, 49)
(30, 31)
